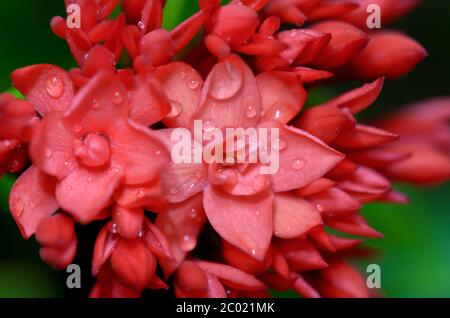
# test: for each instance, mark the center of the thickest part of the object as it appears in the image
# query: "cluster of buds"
(99, 141)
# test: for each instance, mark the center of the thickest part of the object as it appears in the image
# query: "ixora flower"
(99, 138)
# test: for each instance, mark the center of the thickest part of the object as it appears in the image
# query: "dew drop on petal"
(173, 190)
(77, 128)
(298, 164)
(279, 144)
(250, 112)
(48, 153)
(194, 84)
(188, 243)
(117, 98)
(95, 104)
(253, 251)
(319, 207)
(141, 193)
(32, 205)
(55, 86)
(140, 234)
(115, 228)
(193, 213)
(228, 81)
(141, 25)
(176, 109)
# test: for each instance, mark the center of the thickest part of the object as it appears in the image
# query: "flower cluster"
(99, 141)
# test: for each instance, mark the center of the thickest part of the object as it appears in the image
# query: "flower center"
(93, 151)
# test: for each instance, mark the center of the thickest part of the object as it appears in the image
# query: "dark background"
(415, 254)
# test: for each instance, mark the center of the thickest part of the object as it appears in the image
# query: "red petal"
(364, 137)
(303, 160)
(181, 224)
(302, 255)
(354, 225)
(230, 96)
(245, 223)
(128, 222)
(231, 276)
(282, 95)
(98, 183)
(57, 231)
(388, 54)
(134, 263)
(47, 87)
(342, 280)
(32, 199)
(105, 245)
(318, 120)
(148, 195)
(360, 98)
(334, 201)
(59, 258)
(135, 150)
(51, 148)
(303, 288)
(293, 216)
(182, 87)
(346, 42)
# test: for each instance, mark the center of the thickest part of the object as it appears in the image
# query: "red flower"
(94, 156)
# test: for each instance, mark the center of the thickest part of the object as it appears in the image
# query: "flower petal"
(46, 86)
(137, 152)
(303, 159)
(51, 148)
(293, 216)
(86, 192)
(230, 96)
(32, 199)
(245, 223)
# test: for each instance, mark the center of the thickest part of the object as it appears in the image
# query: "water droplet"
(279, 144)
(48, 153)
(198, 174)
(77, 128)
(55, 86)
(141, 25)
(258, 213)
(95, 104)
(173, 190)
(141, 193)
(298, 164)
(140, 234)
(69, 188)
(32, 205)
(193, 213)
(209, 125)
(158, 152)
(293, 33)
(250, 112)
(70, 166)
(188, 243)
(253, 251)
(227, 81)
(117, 98)
(319, 207)
(115, 228)
(176, 109)
(194, 84)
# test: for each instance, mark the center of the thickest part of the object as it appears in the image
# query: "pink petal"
(293, 216)
(304, 158)
(86, 192)
(282, 95)
(105, 245)
(245, 223)
(32, 199)
(182, 85)
(47, 87)
(51, 148)
(230, 96)
(181, 224)
(103, 97)
(137, 152)
(231, 276)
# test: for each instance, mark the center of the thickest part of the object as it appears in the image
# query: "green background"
(415, 254)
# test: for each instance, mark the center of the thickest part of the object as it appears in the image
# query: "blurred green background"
(415, 254)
